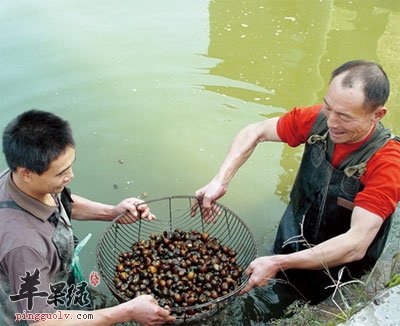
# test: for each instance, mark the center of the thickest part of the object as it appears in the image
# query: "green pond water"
(156, 90)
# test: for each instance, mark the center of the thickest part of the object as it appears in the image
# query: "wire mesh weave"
(174, 213)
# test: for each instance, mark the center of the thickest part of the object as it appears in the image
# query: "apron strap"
(11, 204)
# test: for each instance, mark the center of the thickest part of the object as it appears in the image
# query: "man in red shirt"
(346, 189)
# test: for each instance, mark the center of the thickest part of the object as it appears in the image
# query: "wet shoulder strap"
(379, 138)
(319, 127)
(66, 201)
(10, 204)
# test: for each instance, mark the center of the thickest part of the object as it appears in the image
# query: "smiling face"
(348, 119)
(58, 175)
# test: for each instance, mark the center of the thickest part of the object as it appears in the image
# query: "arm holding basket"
(131, 208)
(142, 309)
(239, 151)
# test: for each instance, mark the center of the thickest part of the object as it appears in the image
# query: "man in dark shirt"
(36, 238)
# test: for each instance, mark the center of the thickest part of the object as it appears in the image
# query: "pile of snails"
(179, 268)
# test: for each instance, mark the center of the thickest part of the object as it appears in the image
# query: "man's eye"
(325, 111)
(344, 117)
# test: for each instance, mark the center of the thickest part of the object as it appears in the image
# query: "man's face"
(57, 176)
(349, 121)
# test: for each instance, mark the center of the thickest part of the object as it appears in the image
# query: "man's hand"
(208, 195)
(145, 310)
(261, 271)
(131, 210)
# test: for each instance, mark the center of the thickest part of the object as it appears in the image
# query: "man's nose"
(70, 176)
(333, 120)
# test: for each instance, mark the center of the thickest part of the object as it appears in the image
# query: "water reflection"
(280, 53)
(275, 46)
(355, 31)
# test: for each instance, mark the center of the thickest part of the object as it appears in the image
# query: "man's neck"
(23, 186)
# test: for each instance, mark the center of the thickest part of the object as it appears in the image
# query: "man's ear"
(25, 174)
(379, 113)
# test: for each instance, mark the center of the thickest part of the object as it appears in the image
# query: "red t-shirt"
(381, 180)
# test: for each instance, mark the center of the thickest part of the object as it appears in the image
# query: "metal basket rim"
(231, 294)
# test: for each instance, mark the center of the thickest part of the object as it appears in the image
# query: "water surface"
(155, 91)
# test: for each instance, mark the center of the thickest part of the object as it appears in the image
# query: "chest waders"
(320, 208)
(63, 238)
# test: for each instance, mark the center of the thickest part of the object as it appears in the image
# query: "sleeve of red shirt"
(294, 127)
(381, 192)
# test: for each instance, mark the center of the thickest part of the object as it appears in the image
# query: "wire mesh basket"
(175, 213)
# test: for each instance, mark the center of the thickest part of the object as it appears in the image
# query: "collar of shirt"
(30, 204)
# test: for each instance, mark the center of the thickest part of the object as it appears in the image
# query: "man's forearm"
(333, 252)
(323, 256)
(243, 146)
(342, 249)
(85, 209)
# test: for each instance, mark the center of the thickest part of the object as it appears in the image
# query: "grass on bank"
(348, 299)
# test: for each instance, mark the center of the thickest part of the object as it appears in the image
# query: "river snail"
(179, 268)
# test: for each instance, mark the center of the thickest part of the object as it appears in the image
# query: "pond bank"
(367, 302)
(383, 310)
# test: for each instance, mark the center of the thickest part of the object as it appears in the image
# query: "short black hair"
(34, 139)
(376, 86)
